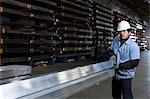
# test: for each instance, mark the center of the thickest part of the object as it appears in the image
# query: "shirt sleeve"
(134, 52)
(129, 64)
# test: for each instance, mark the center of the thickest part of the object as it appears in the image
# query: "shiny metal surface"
(76, 86)
(39, 86)
(14, 70)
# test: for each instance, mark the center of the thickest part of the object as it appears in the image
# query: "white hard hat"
(123, 25)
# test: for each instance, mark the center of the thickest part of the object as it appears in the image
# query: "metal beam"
(62, 84)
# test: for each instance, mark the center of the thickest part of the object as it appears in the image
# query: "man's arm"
(134, 58)
(129, 64)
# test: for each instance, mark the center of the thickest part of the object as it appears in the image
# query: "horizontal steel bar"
(39, 86)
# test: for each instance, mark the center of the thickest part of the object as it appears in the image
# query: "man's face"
(124, 34)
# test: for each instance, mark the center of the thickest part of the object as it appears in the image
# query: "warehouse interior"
(58, 49)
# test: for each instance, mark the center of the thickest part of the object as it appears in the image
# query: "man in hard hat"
(127, 54)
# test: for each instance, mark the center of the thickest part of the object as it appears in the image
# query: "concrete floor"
(141, 84)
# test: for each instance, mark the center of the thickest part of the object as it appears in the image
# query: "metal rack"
(29, 27)
(43, 30)
(74, 19)
(16, 31)
(45, 39)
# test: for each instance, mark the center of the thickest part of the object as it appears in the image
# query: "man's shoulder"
(133, 45)
(116, 39)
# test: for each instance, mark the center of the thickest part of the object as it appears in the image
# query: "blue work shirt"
(128, 51)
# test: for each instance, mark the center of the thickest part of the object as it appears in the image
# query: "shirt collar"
(128, 41)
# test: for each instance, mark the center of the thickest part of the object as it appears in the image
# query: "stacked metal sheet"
(14, 72)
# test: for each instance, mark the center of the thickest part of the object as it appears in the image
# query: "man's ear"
(129, 32)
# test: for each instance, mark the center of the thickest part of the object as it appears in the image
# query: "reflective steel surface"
(51, 82)
(14, 70)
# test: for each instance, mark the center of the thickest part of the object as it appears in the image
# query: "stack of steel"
(16, 31)
(44, 45)
(42, 30)
(103, 26)
(74, 19)
(14, 72)
(28, 31)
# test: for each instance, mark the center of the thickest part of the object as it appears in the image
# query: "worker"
(127, 55)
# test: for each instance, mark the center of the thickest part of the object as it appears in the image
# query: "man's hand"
(113, 58)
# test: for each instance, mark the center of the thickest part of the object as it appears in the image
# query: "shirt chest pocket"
(124, 54)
